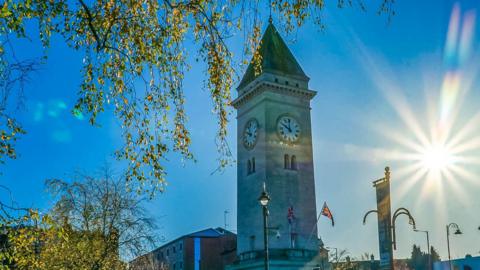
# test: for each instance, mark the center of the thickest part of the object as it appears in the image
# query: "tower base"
(281, 259)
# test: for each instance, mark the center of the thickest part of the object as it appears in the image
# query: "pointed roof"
(210, 232)
(276, 58)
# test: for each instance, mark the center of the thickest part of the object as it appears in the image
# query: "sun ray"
(406, 171)
(467, 145)
(437, 143)
(439, 199)
(456, 187)
(391, 93)
(409, 182)
(469, 160)
(428, 187)
(470, 127)
(393, 135)
(404, 111)
(465, 174)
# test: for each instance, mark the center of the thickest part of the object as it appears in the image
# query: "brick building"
(210, 249)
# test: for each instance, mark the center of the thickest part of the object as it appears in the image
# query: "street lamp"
(264, 199)
(396, 214)
(457, 232)
(391, 223)
(386, 223)
(428, 246)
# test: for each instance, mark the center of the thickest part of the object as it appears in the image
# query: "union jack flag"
(326, 212)
(290, 215)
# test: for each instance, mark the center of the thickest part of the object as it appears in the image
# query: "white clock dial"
(250, 133)
(288, 128)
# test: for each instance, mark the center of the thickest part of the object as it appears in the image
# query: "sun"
(435, 145)
(437, 158)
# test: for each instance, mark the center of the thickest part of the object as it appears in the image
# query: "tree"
(434, 255)
(95, 224)
(337, 257)
(419, 260)
(18, 233)
(366, 256)
(103, 221)
(136, 56)
(11, 76)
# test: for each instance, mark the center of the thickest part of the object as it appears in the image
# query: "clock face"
(288, 129)
(250, 134)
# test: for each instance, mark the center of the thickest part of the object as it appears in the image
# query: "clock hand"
(286, 127)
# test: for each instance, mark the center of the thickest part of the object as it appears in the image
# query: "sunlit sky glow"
(439, 148)
(403, 94)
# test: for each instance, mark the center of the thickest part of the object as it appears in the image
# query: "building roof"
(275, 57)
(207, 233)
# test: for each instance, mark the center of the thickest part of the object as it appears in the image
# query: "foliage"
(135, 59)
(18, 233)
(419, 260)
(80, 250)
(102, 208)
(13, 75)
(25, 240)
(46, 244)
(366, 256)
(339, 255)
(95, 224)
(434, 255)
(339, 258)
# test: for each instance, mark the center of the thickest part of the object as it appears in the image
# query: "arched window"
(249, 167)
(286, 162)
(253, 165)
(293, 164)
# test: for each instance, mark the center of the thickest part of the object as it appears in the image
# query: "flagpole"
(318, 218)
(313, 229)
(290, 229)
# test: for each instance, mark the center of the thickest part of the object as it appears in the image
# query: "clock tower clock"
(275, 147)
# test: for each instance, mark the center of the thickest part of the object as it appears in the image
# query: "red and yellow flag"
(326, 212)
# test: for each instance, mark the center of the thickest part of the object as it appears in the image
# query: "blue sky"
(367, 74)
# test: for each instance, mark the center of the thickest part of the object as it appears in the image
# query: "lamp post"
(386, 222)
(428, 246)
(385, 211)
(264, 199)
(457, 232)
(396, 214)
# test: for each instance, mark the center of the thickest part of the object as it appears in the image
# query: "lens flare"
(452, 36)
(438, 145)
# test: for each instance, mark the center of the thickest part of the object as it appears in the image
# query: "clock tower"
(275, 146)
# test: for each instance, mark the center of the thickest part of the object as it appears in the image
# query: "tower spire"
(270, 10)
(276, 58)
